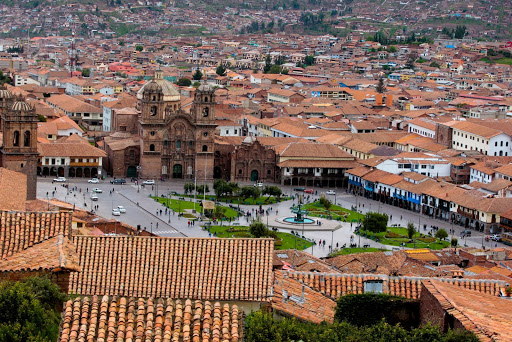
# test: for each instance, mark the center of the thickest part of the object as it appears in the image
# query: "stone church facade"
(175, 143)
(19, 138)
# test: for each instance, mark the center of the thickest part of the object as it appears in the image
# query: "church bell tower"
(19, 148)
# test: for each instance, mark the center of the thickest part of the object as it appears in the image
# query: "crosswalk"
(172, 231)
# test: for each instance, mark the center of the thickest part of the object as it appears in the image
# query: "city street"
(142, 210)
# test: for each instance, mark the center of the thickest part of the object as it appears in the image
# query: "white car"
(121, 209)
(94, 197)
(116, 212)
(148, 182)
(97, 190)
(60, 179)
(331, 192)
(93, 180)
(259, 184)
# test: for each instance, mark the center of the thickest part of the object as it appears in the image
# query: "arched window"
(239, 171)
(205, 99)
(152, 147)
(165, 142)
(153, 110)
(205, 148)
(26, 139)
(206, 111)
(178, 143)
(154, 98)
(16, 139)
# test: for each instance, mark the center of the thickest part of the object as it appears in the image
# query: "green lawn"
(237, 200)
(180, 206)
(315, 209)
(346, 251)
(287, 240)
(504, 60)
(395, 236)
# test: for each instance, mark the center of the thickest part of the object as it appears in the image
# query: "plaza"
(141, 210)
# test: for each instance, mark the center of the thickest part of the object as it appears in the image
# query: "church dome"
(160, 85)
(21, 106)
(205, 87)
(5, 94)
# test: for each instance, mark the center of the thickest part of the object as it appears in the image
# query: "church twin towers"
(175, 143)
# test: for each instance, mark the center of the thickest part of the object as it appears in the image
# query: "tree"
(189, 187)
(271, 190)
(309, 60)
(121, 43)
(460, 31)
(184, 82)
(375, 222)
(249, 192)
(258, 229)
(392, 49)
(435, 65)
(381, 88)
(454, 242)
(198, 75)
(220, 212)
(29, 310)
(268, 64)
(441, 234)
(410, 63)
(139, 48)
(86, 72)
(203, 188)
(4, 79)
(221, 70)
(220, 187)
(410, 230)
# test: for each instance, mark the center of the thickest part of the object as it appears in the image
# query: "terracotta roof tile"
(196, 268)
(22, 230)
(487, 315)
(154, 319)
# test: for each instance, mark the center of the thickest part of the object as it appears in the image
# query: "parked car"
(93, 180)
(60, 179)
(116, 212)
(331, 192)
(97, 190)
(465, 233)
(309, 191)
(496, 237)
(94, 197)
(299, 189)
(118, 181)
(148, 182)
(259, 184)
(121, 209)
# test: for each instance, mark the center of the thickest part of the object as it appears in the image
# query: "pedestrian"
(400, 217)
(337, 244)
(157, 212)
(157, 225)
(390, 217)
(160, 211)
(87, 189)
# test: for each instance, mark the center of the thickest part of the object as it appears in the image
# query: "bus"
(506, 238)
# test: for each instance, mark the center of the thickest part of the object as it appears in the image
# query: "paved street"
(141, 210)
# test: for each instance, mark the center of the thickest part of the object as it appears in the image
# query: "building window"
(268, 172)
(165, 142)
(373, 286)
(205, 134)
(205, 148)
(16, 139)
(152, 133)
(239, 171)
(132, 153)
(152, 147)
(153, 110)
(26, 139)
(178, 143)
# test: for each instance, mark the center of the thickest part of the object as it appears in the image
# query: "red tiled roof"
(488, 316)
(159, 319)
(294, 298)
(196, 268)
(22, 230)
(56, 254)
